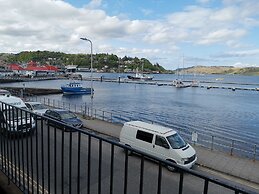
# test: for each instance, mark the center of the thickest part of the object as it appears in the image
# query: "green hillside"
(103, 61)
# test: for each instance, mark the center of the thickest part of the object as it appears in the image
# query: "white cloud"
(222, 36)
(240, 64)
(57, 25)
(244, 53)
(94, 4)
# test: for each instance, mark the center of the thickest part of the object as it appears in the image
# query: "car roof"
(33, 103)
(150, 127)
(59, 110)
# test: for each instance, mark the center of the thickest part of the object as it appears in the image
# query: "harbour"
(217, 113)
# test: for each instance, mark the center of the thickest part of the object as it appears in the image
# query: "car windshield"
(67, 115)
(39, 106)
(176, 141)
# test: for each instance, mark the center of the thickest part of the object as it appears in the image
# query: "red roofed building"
(15, 67)
(33, 69)
(51, 68)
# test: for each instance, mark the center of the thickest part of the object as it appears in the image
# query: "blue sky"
(205, 32)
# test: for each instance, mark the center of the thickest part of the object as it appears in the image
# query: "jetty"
(202, 84)
(18, 91)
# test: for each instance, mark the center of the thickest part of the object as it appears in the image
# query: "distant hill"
(220, 70)
(103, 61)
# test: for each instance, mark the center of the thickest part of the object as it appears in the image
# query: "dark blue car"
(63, 116)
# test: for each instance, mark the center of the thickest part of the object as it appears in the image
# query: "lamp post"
(86, 39)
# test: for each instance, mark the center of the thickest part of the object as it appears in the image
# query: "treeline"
(100, 61)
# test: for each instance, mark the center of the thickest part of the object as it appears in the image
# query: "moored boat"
(75, 88)
(140, 76)
(179, 84)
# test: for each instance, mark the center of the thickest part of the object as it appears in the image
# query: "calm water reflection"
(228, 113)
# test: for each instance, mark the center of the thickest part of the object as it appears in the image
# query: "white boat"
(140, 76)
(179, 84)
(195, 83)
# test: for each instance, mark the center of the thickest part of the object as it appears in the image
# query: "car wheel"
(171, 168)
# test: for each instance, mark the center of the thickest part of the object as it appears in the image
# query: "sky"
(172, 33)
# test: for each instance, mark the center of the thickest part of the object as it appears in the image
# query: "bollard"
(212, 142)
(232, 147)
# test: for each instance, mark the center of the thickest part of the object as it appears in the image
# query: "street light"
(86, 39)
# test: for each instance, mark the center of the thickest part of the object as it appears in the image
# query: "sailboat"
(178, 83)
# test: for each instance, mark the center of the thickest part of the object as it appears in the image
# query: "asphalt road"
(51, 165)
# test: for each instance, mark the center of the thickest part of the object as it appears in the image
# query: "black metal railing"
(48, 159)
(211, 141)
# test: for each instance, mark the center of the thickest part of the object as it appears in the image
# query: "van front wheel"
(171, 168)
(129, 152)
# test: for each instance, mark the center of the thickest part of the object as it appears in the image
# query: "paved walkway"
(239, 167)
(235, 166)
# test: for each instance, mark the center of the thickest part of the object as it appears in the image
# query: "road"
(51, 160)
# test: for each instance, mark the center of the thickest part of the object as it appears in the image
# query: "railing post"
(232, 147)
(212, 142)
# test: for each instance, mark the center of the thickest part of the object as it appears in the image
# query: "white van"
(162, 142)
(14, 120)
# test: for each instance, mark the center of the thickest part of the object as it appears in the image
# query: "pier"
(202, 84)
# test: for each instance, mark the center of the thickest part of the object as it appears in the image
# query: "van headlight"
(184, 160)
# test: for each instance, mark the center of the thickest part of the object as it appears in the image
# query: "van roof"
(150, 127)
(12, 100)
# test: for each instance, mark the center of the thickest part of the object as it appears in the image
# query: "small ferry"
(75, 88)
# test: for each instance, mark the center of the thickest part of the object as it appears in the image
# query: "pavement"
(244, 171)
(237, 167)
(7, 188)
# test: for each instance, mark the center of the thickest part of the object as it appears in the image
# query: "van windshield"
(176, 141)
